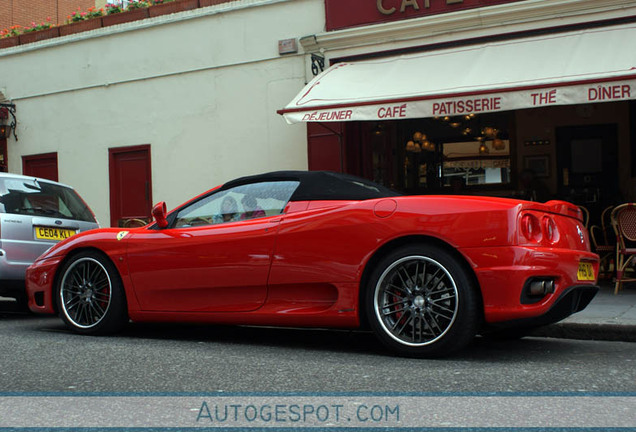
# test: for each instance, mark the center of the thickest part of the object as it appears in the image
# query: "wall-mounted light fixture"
(317, 63)
(5, 131)
(7, 111)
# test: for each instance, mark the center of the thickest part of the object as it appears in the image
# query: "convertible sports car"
(292, 248)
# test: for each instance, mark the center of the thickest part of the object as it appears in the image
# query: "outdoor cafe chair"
(606, 225)
(624, 221)
(604, 249)
(586, 215)
(134, 223)
(604, 242)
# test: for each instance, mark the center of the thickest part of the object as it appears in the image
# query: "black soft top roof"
(321, 185)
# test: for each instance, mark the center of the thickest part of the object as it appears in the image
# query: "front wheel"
(90, 295)
(421, 302)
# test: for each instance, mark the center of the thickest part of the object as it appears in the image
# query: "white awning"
(586, 66)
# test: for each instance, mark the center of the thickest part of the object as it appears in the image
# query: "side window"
(240, 203)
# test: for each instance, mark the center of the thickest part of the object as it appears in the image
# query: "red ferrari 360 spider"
(425, 273)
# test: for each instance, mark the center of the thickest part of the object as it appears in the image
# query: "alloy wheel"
(85, 292)
(416, 301)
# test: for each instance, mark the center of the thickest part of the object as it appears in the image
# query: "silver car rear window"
(38, 198)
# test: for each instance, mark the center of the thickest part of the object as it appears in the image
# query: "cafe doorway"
(587, 163)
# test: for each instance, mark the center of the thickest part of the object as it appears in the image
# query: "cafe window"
(435, 154)
(475, 163)
(454, 152)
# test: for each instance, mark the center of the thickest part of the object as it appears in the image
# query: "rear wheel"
(90, 295)
(421, 302)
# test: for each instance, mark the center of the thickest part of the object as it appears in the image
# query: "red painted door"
(3, 155)
(130, 184)
(324, 141)
(42, 165)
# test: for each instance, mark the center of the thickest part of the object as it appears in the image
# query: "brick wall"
(24, 12)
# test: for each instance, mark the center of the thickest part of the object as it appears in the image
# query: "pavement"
(609, 316)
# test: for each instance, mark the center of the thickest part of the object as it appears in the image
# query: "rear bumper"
(12, 288)
(502, 273)
(11, 270)
(572, 300)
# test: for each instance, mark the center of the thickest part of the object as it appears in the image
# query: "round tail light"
(550, 229)
(531, 228)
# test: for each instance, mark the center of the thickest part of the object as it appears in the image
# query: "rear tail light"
(538, 228)
(550, 229)
(531, 228)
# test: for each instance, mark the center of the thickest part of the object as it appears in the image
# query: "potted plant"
(82, 21)
(136, 10)
(9, 37)
(38, 32)
(113, 8)
(164, 7)
(138, 4)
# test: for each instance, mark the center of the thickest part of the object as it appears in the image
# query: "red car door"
(213, 268)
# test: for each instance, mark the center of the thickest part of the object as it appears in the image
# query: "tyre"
(421, 302)
(90, 295)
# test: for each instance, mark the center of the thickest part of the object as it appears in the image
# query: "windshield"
(34, 198)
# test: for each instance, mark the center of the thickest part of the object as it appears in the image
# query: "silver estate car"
(34, 215)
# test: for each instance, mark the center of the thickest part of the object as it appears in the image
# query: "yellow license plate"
(586, 272)
(47, 233)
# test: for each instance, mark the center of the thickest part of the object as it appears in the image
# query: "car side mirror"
(159, 213)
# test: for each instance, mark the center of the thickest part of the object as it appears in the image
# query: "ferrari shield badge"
(121, 234)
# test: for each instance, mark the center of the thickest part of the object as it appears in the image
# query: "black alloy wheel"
(421, 302)
(90, 295)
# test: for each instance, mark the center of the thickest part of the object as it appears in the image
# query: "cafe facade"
(516, 98)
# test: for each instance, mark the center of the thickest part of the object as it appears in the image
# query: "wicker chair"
(586, 215)
(624, 222)
(134, 223)
(604, 242)
(606, 224)
(604, 249)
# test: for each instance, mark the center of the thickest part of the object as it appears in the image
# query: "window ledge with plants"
(94, 18)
